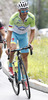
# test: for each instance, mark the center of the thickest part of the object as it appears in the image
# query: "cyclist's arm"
(9, 38)
(31, 37)
(32, 26)
(10, 29)
(3, 32)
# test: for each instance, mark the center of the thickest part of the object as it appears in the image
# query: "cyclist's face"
(24, 12)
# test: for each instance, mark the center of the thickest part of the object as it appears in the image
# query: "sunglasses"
(24, 11)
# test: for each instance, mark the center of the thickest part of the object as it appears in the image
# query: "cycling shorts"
(22, 40)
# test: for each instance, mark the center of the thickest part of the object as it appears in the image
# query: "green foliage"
(38, 62)
(40, 9)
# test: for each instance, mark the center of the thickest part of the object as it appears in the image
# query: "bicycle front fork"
(19, 73)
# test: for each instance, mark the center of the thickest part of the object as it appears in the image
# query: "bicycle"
(15, 81)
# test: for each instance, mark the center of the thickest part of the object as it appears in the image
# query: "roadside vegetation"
(38, 62)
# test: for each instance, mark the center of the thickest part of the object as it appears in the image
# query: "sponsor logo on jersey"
(12, 39)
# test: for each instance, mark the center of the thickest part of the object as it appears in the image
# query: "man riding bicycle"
(17, 31)
(2, 37)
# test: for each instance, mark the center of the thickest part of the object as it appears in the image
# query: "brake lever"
(8, 54)
(31, 52)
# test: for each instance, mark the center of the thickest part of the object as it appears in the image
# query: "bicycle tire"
(26, 90)
(16, 85)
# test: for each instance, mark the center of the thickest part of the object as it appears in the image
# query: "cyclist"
(18, 29)
(2, 34)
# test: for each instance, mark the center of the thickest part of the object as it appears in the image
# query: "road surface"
(7, 93)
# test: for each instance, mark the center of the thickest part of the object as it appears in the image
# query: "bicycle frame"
(20, 59)
(21, 72)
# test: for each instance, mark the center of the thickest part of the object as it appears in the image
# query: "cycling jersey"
(17, 25)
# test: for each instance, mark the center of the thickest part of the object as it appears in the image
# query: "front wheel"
(25, 79)
(16, 85)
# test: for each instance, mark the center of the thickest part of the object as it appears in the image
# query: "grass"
(38, 62)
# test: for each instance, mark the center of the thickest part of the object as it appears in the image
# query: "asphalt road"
(7, 93)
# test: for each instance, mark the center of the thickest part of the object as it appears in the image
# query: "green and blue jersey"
(17, 25)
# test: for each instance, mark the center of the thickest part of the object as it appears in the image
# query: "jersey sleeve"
(32, 21)
(11, 24)
(32, 25)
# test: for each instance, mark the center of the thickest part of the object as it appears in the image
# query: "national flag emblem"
(10, 26)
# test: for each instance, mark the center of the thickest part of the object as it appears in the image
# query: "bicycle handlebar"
(31, 52)
(8, 54)
(29, 47)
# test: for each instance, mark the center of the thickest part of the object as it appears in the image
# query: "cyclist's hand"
(31, 46)
(7, 51)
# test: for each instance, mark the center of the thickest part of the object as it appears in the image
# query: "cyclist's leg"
(23, 43)
(12, 47)
(24, 56)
